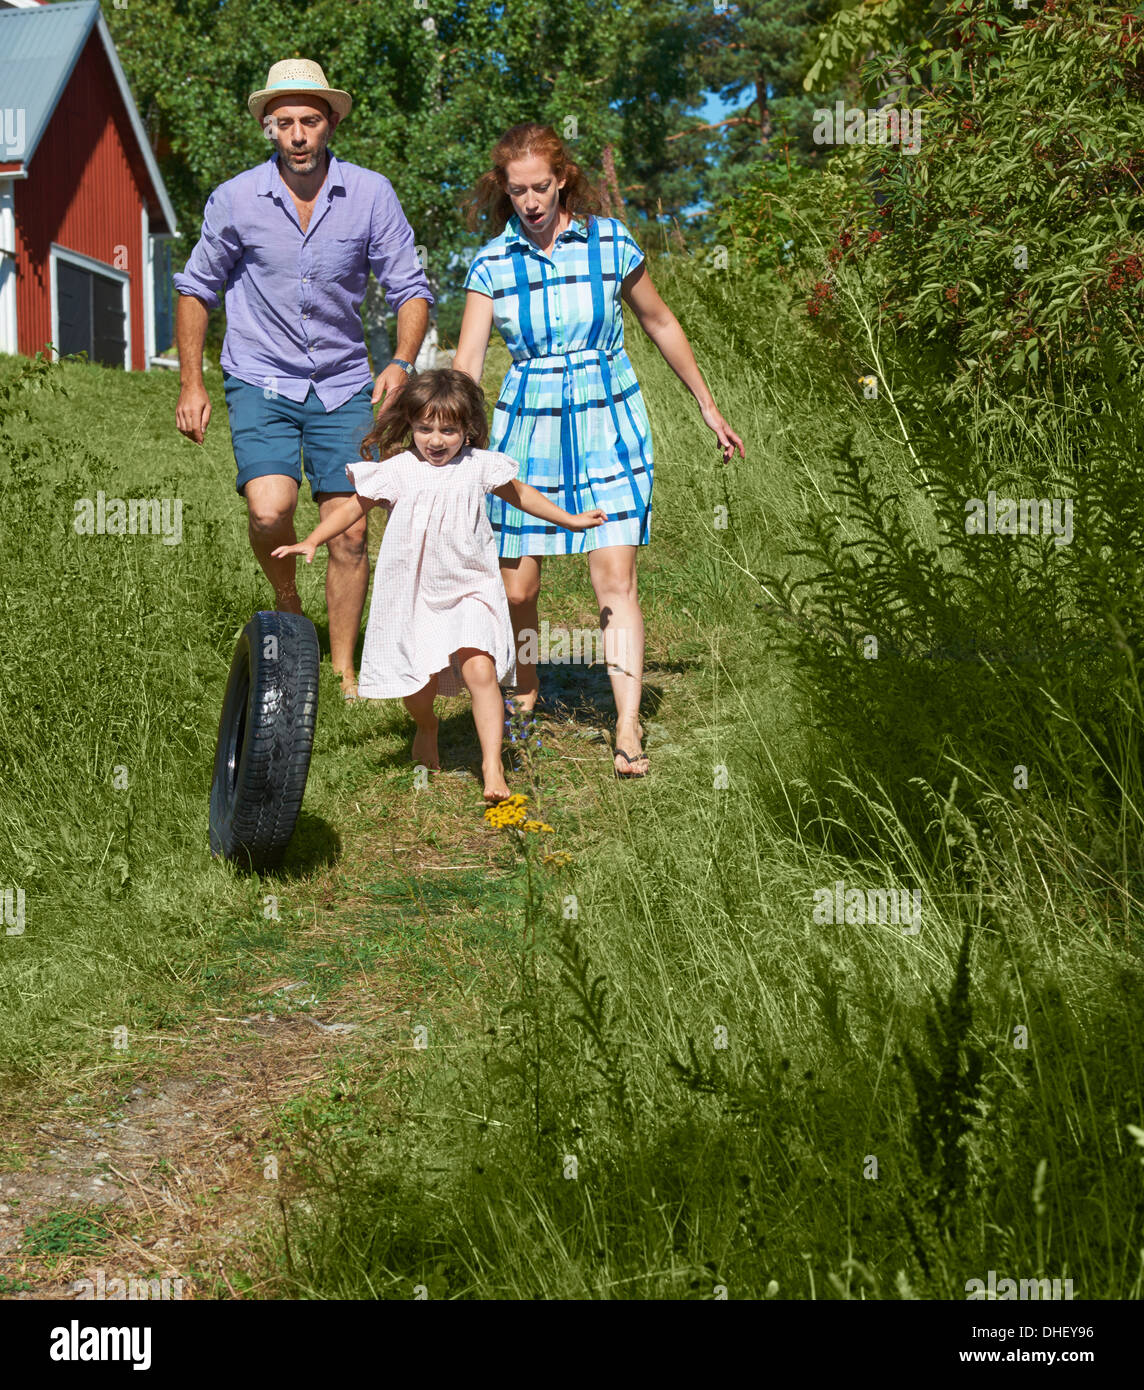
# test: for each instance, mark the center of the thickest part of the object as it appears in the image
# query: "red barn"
(85, 222)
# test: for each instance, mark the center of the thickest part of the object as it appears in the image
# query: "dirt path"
(167, 1178)
(171, 1165)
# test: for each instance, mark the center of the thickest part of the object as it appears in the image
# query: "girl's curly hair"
(450, 397)
(491, 206)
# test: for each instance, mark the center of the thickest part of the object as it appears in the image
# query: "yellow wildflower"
(505, 813)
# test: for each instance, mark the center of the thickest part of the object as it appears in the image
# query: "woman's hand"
(584, 521)
(728, 439)
(662, 327)
(302, 548)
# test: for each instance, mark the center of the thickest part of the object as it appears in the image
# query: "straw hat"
(298, 77)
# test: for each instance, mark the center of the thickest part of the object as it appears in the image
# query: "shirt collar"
(578, 228)
(272, 182)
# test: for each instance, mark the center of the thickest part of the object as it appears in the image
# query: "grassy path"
(419, 1062)
(151, 1156)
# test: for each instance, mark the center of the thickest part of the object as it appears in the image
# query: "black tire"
(265, 737)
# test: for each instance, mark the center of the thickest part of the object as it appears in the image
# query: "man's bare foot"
(496, 788)
(288, 603)
(425, 748)
(349, 685)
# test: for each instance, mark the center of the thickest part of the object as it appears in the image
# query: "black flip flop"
(619, 752)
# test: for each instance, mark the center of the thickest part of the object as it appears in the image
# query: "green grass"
(65, 1233)
(756, 1104)
(118, 652)
(726, 1073)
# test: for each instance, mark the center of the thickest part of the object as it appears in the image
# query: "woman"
(570, 410)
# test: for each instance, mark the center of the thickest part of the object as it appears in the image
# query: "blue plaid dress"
(570, 410)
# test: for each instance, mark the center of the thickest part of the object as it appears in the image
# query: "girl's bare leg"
(522, 587)
(613, 572)
(420, 706)
(480, 676)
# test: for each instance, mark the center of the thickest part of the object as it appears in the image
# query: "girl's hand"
(302, 548)
(728, 439)
(584, 521)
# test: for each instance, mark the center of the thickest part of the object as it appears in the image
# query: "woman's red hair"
(491, 207)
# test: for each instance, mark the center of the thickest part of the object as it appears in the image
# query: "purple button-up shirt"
(293, 299)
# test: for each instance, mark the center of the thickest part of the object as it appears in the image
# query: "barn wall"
(83, 192)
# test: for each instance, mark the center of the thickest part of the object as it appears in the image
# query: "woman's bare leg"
(522, 587)
(420, 706)
(480, 676)
(613, 572)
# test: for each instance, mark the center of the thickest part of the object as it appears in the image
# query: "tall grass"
(676, 1083)
(116, 652)
(690, 1088)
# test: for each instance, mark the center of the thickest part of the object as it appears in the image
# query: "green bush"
(1012, 242)
(924, 648)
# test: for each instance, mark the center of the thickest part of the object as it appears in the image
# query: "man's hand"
(389, 384)
(193, 412)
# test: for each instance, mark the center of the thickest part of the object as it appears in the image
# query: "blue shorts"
(269, 434)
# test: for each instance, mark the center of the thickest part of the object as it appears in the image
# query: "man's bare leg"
(347, 579)
(270, 505)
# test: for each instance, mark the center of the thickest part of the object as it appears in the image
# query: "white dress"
(437, 586)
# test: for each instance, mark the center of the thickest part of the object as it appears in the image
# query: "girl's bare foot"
(496, 788)
(425, 749)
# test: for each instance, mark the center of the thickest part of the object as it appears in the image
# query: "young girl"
(439, 616)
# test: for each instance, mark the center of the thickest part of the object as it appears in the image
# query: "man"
(292, 243)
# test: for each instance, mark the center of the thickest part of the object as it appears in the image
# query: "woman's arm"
(473, 344)
(339, 519)
(662, 327)
(528, 499)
